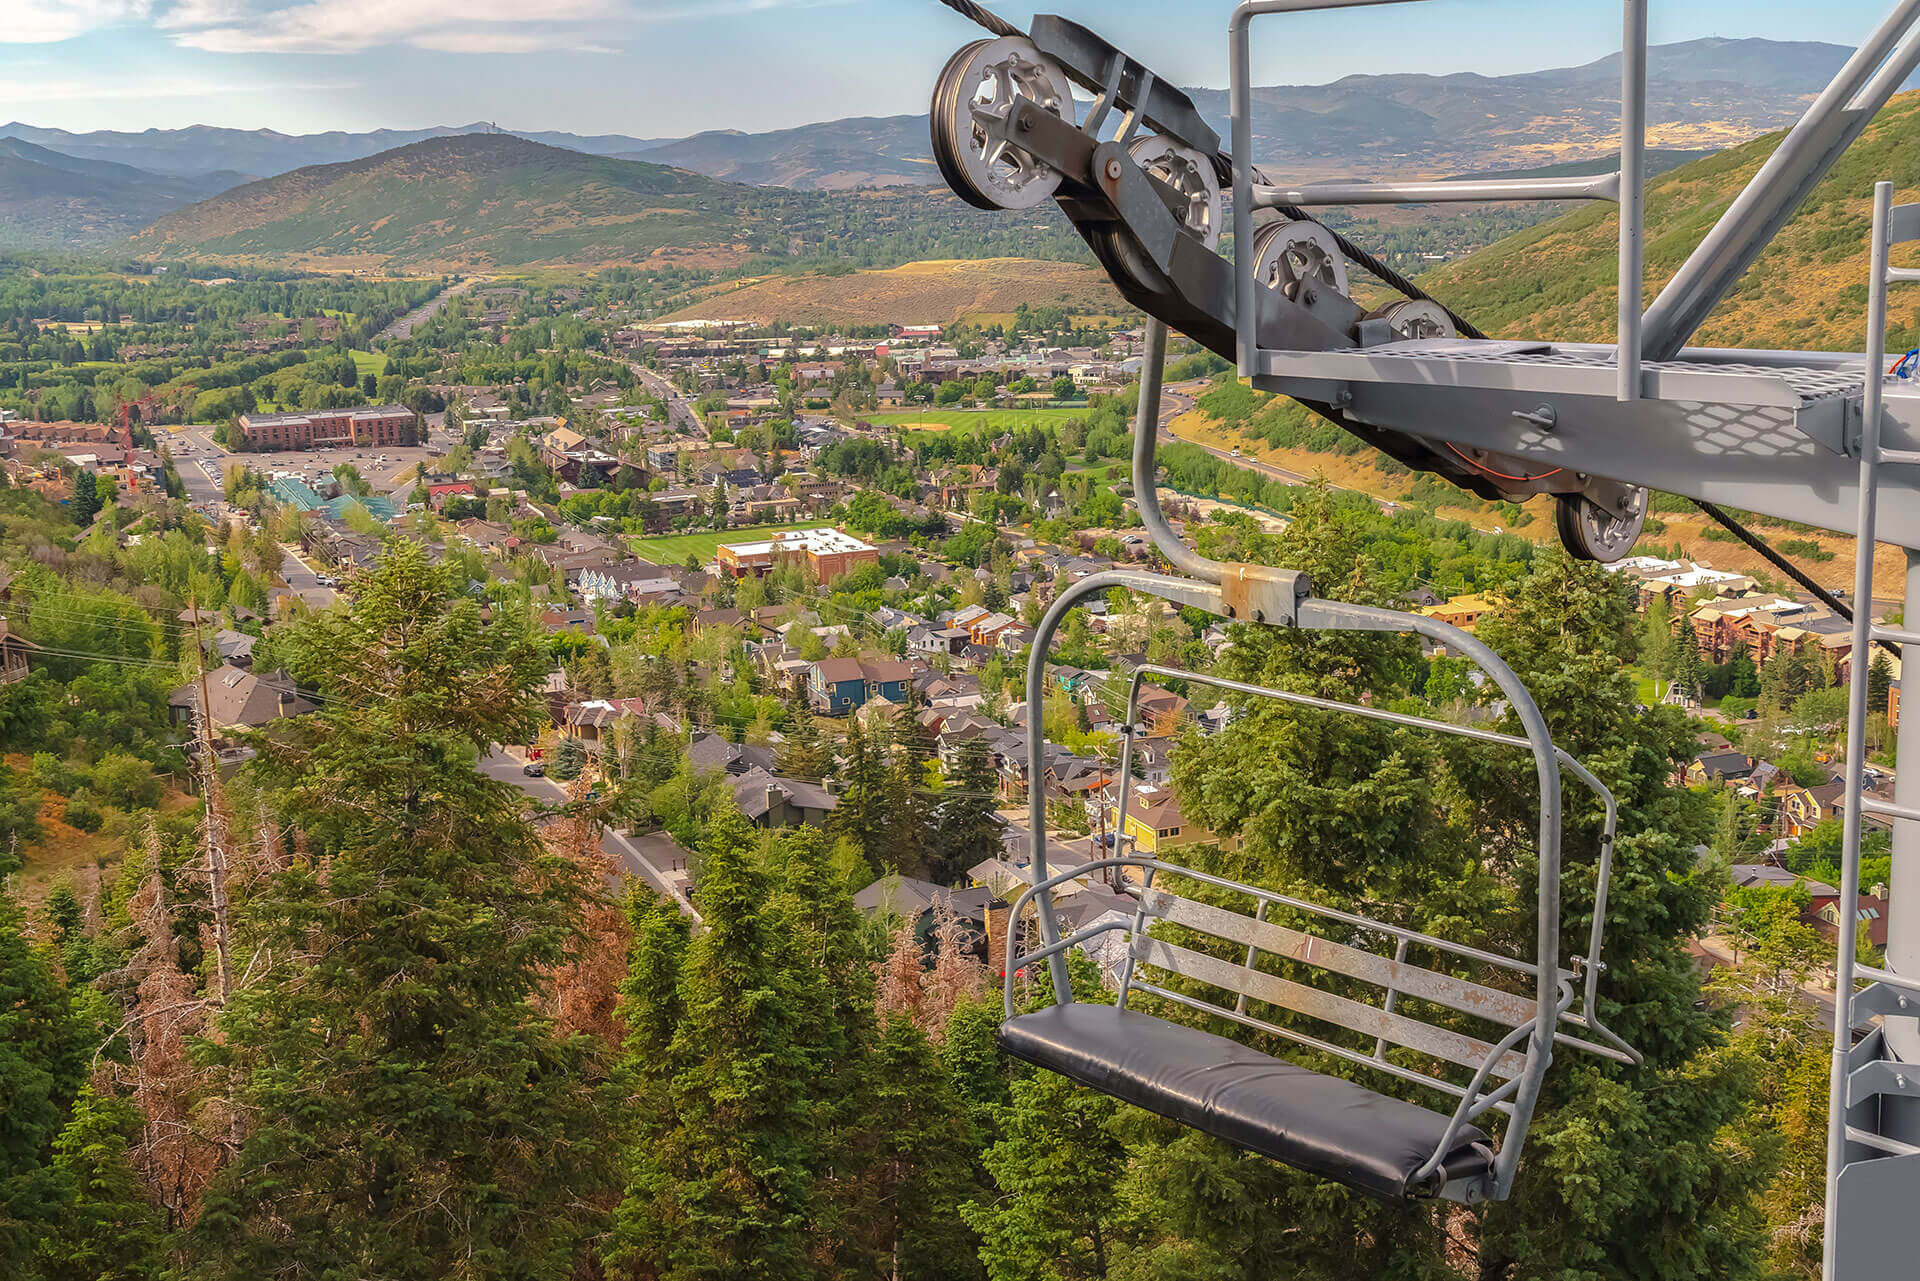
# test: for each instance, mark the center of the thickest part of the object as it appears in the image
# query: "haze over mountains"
(1704, 95)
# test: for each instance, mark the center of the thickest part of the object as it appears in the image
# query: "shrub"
(83, 813)
(54, 774)
(126, 781)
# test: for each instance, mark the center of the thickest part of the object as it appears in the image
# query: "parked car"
(534, 769)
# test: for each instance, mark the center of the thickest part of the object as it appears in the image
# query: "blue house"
(837, 686)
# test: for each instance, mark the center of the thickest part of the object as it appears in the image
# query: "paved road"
(404, 327)
(615, 844)
(303, 578)
(679, 411)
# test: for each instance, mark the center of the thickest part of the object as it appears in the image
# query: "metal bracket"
(1094, 64)
(1880, 999)
(1263, 594)
(1882, 1077)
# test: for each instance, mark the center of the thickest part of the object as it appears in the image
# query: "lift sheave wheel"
(1298, 257)
(1591, 532)
(1191, 176)
(971, 122)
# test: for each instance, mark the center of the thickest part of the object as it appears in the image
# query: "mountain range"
(467, 202)
(1704, 95)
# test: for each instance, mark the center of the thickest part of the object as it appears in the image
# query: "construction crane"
(1815, 437)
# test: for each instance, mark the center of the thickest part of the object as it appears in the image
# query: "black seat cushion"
(1320, 1124)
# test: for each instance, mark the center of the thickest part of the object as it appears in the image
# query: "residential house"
(15, 650)
(1154, 824)
(1718, 767)
(837, 686)
(593, 720)
(768, 800)
(1463, 611)
(239, 699)
(628, 579)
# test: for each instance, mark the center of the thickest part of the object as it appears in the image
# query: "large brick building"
(376, 425)
(827, 553)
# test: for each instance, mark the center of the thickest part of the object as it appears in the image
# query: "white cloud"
(447, 26)
(46, 21)
(30, 92)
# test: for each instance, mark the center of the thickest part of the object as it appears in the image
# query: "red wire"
(1502, 475)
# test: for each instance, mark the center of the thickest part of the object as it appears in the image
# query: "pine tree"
(1879, 682)
(803, 753)
(912, 822)
(727, 1187)
(1689, 668)
(922, 1163)
(108, 1230)
(43, 1059)
(86, 498)
(1743, 679)
(410, 1111)
(969, 829)
(1057, 1169)
(864, 802)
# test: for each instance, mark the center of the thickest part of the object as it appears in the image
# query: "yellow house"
(1154, 825)
(1463, 611)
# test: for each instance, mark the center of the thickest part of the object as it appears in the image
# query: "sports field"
(673, 549)
(968, 419)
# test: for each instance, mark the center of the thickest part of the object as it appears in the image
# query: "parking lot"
(202, 462)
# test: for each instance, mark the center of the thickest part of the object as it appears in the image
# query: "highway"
(404, 327)
(501, 764)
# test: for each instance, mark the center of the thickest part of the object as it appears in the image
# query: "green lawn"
(369, 362)
(673, 549)
(973, 419)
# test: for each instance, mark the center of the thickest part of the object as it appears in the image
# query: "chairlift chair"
(1326, 1125)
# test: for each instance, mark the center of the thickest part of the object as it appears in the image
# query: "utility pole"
(216, 856)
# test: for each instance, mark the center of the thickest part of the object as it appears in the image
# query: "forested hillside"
(489, 201)
(411, 1026)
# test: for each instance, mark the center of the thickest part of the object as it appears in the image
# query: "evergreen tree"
(1743, 679)
(726, 1188)
(85, 503)
(1689, 668)
(1431, 832)
(912, 820)
(969, 829)
(1879, 682)
(1058, 1169)
(108, 1230)
(803, 752)
(411, 1114)
(862, 815)
(43, 1058)
(921, 1159)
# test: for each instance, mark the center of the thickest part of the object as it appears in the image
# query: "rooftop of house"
(823, 541)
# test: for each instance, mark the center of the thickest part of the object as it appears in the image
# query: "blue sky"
(659, 68)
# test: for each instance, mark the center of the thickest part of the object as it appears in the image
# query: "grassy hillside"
(495, 202)
(936, 292)
(54, 201)
(1807, 290)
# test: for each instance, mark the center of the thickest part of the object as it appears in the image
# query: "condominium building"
(826, 552)
(366, 425)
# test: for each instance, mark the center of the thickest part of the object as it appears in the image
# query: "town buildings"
(367, 425)
(826, 553)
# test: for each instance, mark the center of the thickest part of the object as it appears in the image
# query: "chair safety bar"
(1590, 966)
(1279, 598)
(1624, 186)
